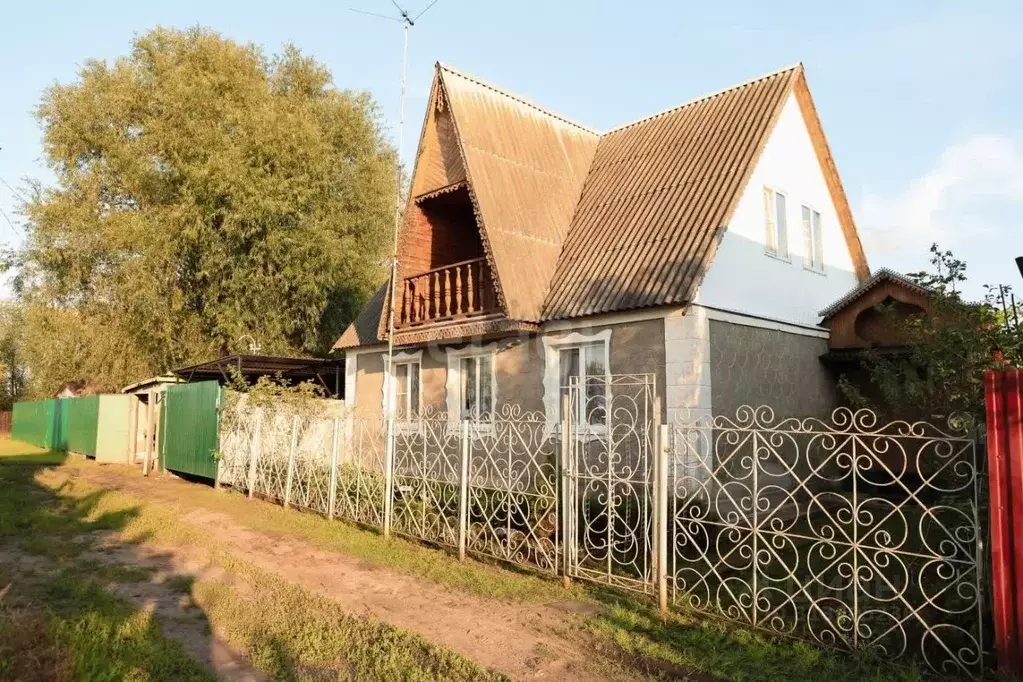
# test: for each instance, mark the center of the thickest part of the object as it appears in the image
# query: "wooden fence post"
(463, 491)
(291, 461)
(255, 448)
(334, 447)
(567, 515)
(1003, 392)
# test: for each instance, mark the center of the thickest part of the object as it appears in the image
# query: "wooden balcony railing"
(459, 290)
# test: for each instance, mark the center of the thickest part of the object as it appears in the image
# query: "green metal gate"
(189, 428)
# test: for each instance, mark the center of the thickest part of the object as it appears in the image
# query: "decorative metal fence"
(613, 426)
(844, 531)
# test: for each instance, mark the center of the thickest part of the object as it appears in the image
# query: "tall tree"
(205, 192)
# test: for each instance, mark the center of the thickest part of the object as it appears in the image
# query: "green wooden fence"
(190, 428)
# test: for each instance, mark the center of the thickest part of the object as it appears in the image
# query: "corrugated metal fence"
(38, 423)
(81, 419)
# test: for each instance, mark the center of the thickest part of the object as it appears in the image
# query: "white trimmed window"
(577, 358)
(471, 383)
(476, 396)
(776, 223)
(403, 381)
(407, 401)
(812, 239)
(584, 366)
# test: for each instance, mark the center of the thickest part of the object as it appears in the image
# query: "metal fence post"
(335, 446)
(566, 501)
(291, 461)
(662, 513)
(255, 448)
(463, 491)
(388, 475)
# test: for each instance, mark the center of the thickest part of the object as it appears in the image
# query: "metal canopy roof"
(324, 372)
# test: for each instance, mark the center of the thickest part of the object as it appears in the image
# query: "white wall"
(742, 277)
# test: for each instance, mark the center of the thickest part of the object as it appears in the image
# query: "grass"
(477, 578)
(292, 633)
(83, 631)
(711, 647)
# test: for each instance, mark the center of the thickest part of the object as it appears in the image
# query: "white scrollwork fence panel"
(842, 531)
(426, 478)
(613, 424)
(359, 493)
(237, 430)
(310, 479)
(512, 492)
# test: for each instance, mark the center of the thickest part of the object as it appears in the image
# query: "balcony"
(449, 293)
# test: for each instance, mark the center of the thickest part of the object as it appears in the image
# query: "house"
(74, 389)
(695, 246)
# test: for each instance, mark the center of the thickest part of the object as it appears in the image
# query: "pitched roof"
(577, 223)
(526, 167)
(364, 330)
(659, 193)
(882, 275)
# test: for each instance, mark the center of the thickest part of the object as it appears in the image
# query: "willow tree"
(205, 192)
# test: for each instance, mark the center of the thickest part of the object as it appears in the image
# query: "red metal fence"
(1004, 398)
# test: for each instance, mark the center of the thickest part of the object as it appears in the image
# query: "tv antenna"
(407, 21)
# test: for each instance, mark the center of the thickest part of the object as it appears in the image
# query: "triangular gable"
(661, 192)
(526, 169)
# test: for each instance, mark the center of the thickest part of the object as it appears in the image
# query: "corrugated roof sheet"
(526, 167)
(657, 196)
(364, 330)
(882, 275)
(576, 223)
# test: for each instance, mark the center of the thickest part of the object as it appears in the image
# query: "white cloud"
(975, 190)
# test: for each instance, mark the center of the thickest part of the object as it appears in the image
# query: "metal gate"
(612, 430)
(189, 428)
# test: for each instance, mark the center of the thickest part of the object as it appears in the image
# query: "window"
(477, 390)
(406, 390)
(812, 238)
(776, 224)
(587, 364)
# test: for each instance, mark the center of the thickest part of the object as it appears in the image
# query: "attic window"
(775, 223)
(812, 239)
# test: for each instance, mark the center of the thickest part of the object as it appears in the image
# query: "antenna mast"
(407, 21)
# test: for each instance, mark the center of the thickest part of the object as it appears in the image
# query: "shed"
(327, 373)
(144, 399)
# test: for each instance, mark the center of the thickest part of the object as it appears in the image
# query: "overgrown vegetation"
(939, 373)
(205, 192)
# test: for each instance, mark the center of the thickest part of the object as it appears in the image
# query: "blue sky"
(921, 100)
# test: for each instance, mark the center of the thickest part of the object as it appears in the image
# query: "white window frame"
(813, 239)
(553, 345)
(454, 382)
(772, 232)
(390, 386)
